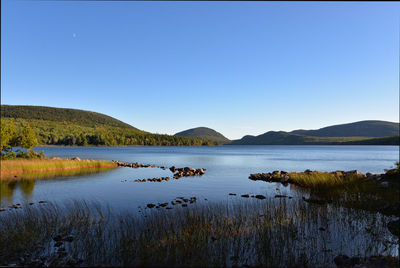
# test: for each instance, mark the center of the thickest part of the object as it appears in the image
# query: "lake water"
(228, 169)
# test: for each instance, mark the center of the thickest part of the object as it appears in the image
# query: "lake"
(228, 169)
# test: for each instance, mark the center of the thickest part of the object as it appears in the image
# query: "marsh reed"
(273, 233)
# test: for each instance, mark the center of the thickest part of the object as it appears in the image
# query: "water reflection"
(7, 189)
(27, 187)
(26, 182)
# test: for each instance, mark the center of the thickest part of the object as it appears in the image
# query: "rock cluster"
(59, 257)
(16, 206)
(283, 177)
(187, 171)
(178, 201)
(276, 176)
(153, 179)
(258, 196)
(132, 165)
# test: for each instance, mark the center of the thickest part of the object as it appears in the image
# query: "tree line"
(42, 132)
(23, 137)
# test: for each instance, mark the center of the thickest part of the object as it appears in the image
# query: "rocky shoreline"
(284, 177)
(178, 172)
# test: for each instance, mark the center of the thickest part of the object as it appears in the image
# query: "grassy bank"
(325, 180)
(272, 233)
(16, 169)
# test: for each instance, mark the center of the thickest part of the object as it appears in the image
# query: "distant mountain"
(369, 128)
(364, 132)
(205, 133)
(61, 126)
(279, 138)
(395, 140)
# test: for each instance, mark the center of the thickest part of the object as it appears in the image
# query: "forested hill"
(286, 138)
(74, 116)
(368, 128)
(59, 126)
(206, 133)
(369, 132)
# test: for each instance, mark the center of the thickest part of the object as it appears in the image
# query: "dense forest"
(58, 126)
(74, 116)
(64, 133)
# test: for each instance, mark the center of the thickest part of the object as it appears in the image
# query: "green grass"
(354, 191)
(324, 180)
(265, 233)
(17, 169)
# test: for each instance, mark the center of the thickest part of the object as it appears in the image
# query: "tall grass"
(325, 180)
(17, 169)
(273, 233)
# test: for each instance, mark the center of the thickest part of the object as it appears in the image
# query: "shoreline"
(19, 171)
(13, 167)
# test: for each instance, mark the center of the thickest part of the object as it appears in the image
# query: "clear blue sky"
(237, 67)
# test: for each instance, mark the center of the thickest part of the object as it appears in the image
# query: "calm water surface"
(228, 168)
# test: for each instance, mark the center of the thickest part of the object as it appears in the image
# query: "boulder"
(173, 168)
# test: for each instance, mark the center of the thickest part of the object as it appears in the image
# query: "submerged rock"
(68, 238)
(394, 227)
(187, 171)
(342, 260)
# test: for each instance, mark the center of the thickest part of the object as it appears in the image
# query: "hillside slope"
(205, 133)
(74, 116)
(59, 126)
(368, 128)
(286, 138)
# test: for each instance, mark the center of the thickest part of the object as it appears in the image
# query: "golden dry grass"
(25, 167)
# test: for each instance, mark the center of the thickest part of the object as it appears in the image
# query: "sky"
(241, 68)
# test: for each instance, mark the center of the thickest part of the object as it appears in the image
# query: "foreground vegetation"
(272, 233)
(17, 169)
